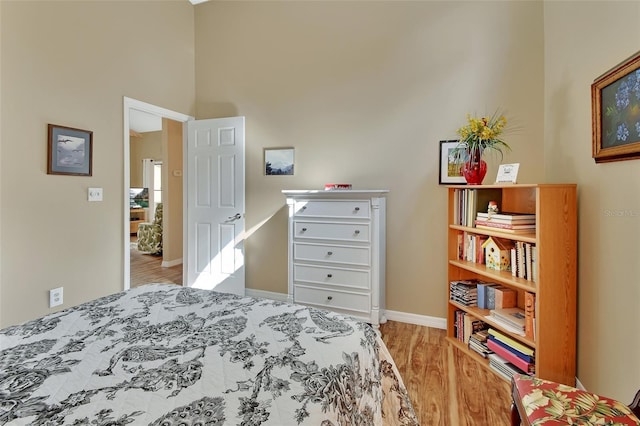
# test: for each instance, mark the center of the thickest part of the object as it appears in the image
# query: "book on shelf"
(534, 262)
(472, 325)
(502, 366)
(483, 296)
(508, 216)
(524, 366)
(501, 225)
(530, 358)
(464, 292)
(527, 262)
(520, 347)
(481, 336)
(478, 342)
(468, 201)
(492, 220)
(510, 319)
(470, 247)
(520, 259)
(511, 316)
(505, 297)
(491, 297)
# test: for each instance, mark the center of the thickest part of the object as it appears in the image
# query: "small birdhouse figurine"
(497, 254)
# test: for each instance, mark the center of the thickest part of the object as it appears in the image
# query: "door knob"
(235, 217)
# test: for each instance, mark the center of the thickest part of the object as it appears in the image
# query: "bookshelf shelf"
(555, 271)
(529, 238)
(483, 313)
(500, 277)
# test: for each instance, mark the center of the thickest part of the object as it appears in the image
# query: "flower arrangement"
(480, 134)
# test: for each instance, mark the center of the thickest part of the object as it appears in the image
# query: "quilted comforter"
(163, 355)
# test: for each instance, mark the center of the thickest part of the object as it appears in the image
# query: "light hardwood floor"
(146, 268)
(446, 387)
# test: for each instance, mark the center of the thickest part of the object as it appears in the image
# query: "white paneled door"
(215, 205)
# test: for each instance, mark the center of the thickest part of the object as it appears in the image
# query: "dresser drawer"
(339, 231)
(336, 209)
(332, 299)
(348, 255)
(331, 276)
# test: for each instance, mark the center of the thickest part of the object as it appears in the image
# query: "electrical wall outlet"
(55, 297)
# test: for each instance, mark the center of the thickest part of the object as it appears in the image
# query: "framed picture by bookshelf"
(615, 104)
(450, 169)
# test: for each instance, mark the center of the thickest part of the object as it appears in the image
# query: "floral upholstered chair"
(542, 402)
(150, 234)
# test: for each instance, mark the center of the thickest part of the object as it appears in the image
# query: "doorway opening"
(170, 173)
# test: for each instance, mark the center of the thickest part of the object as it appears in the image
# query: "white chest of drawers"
(337, 251)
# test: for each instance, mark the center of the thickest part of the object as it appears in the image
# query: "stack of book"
(502, 367)
(464, 292)
(467, 202)
(511, 319)
(466, 325)
(523, 261)
(507, 222)
(510, 356)
(470, 247)
(478, 343)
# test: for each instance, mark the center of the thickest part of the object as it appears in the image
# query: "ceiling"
(141, 122)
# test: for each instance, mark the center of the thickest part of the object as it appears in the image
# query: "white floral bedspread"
(163, 355)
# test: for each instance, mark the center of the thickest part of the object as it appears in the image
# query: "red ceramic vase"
(475, 168)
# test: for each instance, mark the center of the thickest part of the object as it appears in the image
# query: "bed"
(162, 354)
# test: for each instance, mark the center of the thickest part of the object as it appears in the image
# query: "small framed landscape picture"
(278, 161)
(450, 169)
(69, 151)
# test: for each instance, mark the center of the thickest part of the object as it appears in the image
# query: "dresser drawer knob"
(329, 275)
(304, 229)
(357, 209)
(357, 231)
(329, 253)
(329, 297)
(303, 208)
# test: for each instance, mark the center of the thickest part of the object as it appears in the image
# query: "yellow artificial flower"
(483, 133)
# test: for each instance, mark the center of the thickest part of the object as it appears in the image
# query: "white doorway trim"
(133, 104)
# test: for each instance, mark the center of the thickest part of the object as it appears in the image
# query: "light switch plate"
(95, 194)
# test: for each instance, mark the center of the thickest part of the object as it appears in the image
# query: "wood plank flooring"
(446, 387)
(146, 268)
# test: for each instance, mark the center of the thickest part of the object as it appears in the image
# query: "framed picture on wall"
(450, 169)
(69, 151)
(615, 105)
(278, 161)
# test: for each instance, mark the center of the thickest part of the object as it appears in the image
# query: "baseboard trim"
(170, 263)
(416, 319)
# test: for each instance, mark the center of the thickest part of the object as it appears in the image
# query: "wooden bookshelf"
(555, 237)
